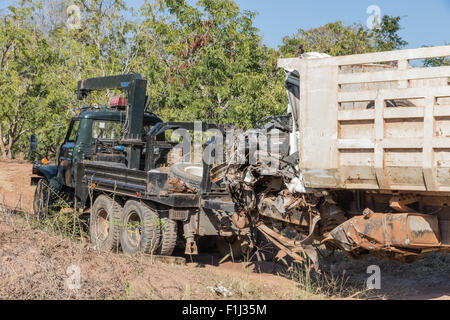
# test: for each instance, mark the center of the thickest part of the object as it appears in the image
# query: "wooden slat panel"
(392, 147)
(408, 188)
(349, 115)
(403, 65)
(410, 54)
(355, 144)
(402, 143)
(441, 143)
(442, 111)
(428, 152)
(410, 93)
(319, 126)
(394, 75)
(382, 178)
(403, 112)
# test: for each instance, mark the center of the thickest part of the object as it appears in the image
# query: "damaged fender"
(387, 233)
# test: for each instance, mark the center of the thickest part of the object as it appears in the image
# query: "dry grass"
(35, 256)
(36, 253)
(426, 278)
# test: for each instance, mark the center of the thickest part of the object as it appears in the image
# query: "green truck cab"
(94, 130)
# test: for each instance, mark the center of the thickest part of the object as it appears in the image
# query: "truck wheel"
(169, 233)
(42, 199)
(191, 173)
(104, 224)
(139, 228)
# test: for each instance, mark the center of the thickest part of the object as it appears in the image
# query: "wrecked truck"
(362, 159)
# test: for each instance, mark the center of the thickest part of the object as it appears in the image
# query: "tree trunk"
(5, 148)
(2, 144)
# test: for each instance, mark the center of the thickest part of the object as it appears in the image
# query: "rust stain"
(177, 186)
(389, 235)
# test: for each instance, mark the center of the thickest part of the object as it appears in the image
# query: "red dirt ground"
(15, 189)
(33, 265)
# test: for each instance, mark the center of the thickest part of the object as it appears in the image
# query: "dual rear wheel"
(134, 228)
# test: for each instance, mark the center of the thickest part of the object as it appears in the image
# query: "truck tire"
(169, 234)
(42, 199)
(104, 224)
(191, 173)
(139, 228)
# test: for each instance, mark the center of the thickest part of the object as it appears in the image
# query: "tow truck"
(115, 164)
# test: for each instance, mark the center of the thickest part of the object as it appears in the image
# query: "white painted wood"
(377, 57)
(350, 138)
(394, 75)
(429, 173)
(356, 115)
(409, 93)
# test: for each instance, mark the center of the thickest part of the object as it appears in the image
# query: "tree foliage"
(207, 63)
(204, 62)
(385, 36)
(26, 94)
(336, 39)
(42, 60)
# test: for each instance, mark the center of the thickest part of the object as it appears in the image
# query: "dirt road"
(15, 189)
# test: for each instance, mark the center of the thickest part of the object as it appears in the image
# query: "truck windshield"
(73, 132)
(107, 130)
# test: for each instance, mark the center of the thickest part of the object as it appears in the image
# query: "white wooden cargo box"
(373, 121)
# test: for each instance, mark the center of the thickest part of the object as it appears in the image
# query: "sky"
(423, 22)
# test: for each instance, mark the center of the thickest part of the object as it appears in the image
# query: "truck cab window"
(74, 132)
(106, 130)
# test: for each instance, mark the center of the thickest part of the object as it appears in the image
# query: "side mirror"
(33, 142)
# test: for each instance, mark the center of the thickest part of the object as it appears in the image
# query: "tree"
(42, 61)
(204, 62)
(334, 39)
(385, 36)
(208, 63)
(337, 39)
(25, 60)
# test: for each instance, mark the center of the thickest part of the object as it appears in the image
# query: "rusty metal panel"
(373, 121)
(380, 232)
(422, 230)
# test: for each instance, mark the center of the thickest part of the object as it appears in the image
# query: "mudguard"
(48, 172)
